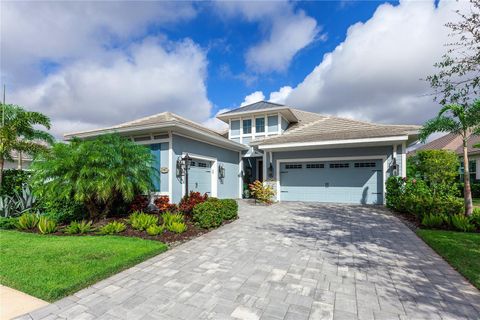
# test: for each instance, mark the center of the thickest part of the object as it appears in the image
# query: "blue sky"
(94, 64)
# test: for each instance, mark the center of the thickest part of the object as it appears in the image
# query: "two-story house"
(305, 156)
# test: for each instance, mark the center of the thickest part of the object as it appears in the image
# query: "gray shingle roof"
(257, 106)
(454, 143)
(313, 127)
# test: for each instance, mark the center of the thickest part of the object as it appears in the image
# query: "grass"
(52, 267)
(461, 250)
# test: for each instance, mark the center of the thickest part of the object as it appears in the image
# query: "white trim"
(404, 160)
(330, 142)
(285, 109)
(199, 140)
(171, 171)
(148, 142)
(240, 176)
(374, 157)
(213, 172)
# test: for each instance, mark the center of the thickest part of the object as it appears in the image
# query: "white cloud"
(287, 32)
(281, 95)
(376, 72)
(150, 77)
(215, 124)
(252, 98)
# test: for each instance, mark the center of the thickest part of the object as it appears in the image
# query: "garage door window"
(315, 166)
(339, 165)
(365, 164)
(293, 166)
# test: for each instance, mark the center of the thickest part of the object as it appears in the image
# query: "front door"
(260, 170)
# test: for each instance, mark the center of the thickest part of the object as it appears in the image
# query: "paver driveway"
(286, 261)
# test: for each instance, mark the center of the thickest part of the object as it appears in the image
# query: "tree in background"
(19, 133)
(458, 77)
(94, 172)
(460, 120)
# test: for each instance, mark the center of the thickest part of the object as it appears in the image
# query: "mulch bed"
(408, 219)
(168, 237)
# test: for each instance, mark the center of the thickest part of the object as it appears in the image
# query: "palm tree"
(95, 172)
(461, 120)
(19, 132)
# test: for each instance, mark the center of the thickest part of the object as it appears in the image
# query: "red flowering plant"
(139, 203)
(189, 202)
(163, 204)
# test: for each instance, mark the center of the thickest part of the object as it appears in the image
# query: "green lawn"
(51, 267)
(461, 250)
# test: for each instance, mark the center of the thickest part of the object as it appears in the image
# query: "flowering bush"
(261, 192)
(163, 204)
(139, 203)
(189, 202)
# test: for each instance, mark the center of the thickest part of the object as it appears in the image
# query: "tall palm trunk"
(2, 162)
(467, 191)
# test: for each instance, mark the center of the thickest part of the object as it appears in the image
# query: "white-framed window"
(247, 126)
(259, 125)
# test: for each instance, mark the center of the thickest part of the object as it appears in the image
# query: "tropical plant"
(460, 120)
(19, 133)
(113, 227)
(163, 204)
(8, 206)
(46, 225)
(14, 181)
(76, 227)
(177, 227)
(462, 223)
(27, 221)
(433, 220)
(139, 203)
(155, 230)
(94, 172)
(141, 221)
(261, 192)
(187, 203)
(169, 218)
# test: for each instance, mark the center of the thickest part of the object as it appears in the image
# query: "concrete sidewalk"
(14, 303)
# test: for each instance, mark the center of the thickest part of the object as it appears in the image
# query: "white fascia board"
(225, 117)
(295, 145)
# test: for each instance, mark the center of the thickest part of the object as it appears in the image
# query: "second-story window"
(247, 126)
(259, 125)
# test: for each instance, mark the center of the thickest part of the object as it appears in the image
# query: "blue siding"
(284, 124)
(235, 128)
(160, 154)
(226, 187)
(273, 123)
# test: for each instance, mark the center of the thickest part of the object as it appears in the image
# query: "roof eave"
(289, 115)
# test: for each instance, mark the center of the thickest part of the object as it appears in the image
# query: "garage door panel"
(334, 181)
(199, 176)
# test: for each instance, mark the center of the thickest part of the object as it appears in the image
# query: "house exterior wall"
(228, 187)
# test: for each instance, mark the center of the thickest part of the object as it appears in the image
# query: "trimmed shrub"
(27, 221)
(163, 204)
(229, 209)
(62, 210)
(81, 227)
(155, 230)
(177, 227)
(462, 223)
(208, 214)
(141, 221)
(187, 204)
(113, 227)
(46, 225)
(8, 223)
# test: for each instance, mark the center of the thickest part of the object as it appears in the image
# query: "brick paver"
(286, 261)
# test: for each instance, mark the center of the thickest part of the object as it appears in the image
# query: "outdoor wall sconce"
(221, 171)
(180, 167)
(270, 170)
(395, 167)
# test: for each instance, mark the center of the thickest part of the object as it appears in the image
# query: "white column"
(404, 160)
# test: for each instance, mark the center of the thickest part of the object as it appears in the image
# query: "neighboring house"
(305, 156)
(454, 143)
(20, 161)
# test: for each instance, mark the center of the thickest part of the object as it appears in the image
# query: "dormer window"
(247, 126)
(259, 125)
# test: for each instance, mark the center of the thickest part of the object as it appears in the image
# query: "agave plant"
(25, 199)
(8, 206)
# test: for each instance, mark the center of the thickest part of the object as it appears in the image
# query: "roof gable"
(257, 106)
